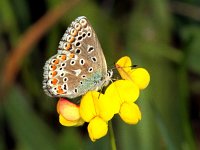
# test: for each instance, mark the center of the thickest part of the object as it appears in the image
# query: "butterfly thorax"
(96, 82)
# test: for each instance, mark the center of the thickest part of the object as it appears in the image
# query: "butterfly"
(79, 65)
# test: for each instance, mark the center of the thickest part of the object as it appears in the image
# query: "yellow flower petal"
(69, 123)
(130, 113)
(87, 105)
(96, 104)
(123, 66)
(121, 91)
(68, 110)
(97, 128)
(106, 109)
(141, 77)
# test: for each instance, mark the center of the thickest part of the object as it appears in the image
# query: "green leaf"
(30, 131)
(191, 36)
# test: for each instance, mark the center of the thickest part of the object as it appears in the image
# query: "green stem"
(112, 136)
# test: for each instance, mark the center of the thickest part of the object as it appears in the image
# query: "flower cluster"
(97, 108)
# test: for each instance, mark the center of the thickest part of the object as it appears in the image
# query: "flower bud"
(68, 113)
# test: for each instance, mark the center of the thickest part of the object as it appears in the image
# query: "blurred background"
(159, 35)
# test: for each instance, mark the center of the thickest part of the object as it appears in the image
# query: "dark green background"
(159, 35)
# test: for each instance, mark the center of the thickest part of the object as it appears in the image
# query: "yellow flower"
(68, 113)
(94, 104)
(96, 108)
(130, 113)
(139, 76)
(123, 66)
(123, 93)
(97, 128)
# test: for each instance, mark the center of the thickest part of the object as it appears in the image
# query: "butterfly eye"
(83, 22)
(110, 73)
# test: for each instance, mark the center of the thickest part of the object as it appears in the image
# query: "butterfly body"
(79, 65)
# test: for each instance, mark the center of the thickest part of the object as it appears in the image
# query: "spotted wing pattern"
(79, 65)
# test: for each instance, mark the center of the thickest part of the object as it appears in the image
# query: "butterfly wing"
(79, 65)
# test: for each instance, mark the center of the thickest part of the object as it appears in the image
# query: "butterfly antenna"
(132, 66)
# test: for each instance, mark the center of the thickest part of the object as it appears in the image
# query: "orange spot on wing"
(72, 39)
(71, 55)
(56, 61)
(60, 91)
(74, 33)
(53, 67)
(54, 81)
(68, 46)
(54, 73)
(63, 57)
